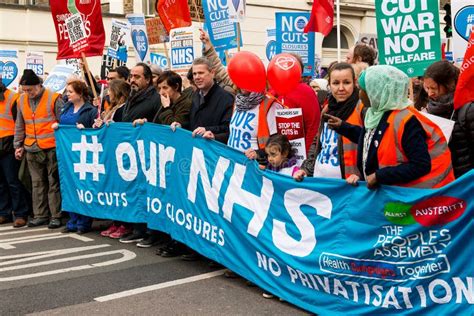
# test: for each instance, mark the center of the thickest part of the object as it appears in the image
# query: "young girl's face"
(275, 157)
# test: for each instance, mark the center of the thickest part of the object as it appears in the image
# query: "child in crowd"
(280, 155)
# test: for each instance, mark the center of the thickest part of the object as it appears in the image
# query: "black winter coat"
(462, 140)
(144, 104)
(213, 112)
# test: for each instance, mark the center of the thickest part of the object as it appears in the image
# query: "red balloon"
(284, 73)
(247, 72)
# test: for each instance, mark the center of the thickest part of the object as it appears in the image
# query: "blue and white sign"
(237, 10)
(9, 68)
(270, 48)
(320, 244)
(462, 12)
(159, 60)
(35, 62)
(222, 31)
(183, 49)
(119, 38)
(58, 77)
(139, 37)
(290, 38)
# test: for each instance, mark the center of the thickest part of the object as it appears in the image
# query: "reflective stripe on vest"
(349, 148)
(441, 172)
(7, 124)
(38, 124)
(263, 132)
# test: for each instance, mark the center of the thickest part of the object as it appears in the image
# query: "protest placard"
(58, 77)
(77, 33)
(462, 12)
(290, 38)
(222, 31)
(108, 63)
(270, 47)
(9, 68)
(289, 122)
(156, 31)
(91, 16)
(139, 37)
(409, 34)
(237, 10)
(182, 48)
(35, 62)
(159, 60)
(119, 39)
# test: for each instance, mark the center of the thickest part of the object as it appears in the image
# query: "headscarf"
(322, 83)
(387, 89)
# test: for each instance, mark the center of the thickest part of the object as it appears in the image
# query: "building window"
(10, 1)
(330, 41)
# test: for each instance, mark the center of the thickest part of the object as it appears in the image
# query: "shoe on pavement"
(19, 222)
(37, 222)
(150, 241)
(54, 223)
(192, 256)
(68, 230)
(173, 249)
(82, 231)
(120, 232)
(267, 295)
(133, 237)
(4, 220)
(112, 229)
(230, 274)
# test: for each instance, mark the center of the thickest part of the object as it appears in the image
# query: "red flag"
(464, 90)
(322, 17)
(173, 13)
(91, 14)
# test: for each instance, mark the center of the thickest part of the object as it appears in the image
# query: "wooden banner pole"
(238, 36)
(86, 65)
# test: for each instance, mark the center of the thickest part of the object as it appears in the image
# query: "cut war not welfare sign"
(321, 244)
(409, 35)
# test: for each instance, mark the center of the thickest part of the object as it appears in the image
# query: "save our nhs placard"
(320, 244)
(183, 49)
(35, 62)
(409, 34)
(290, 38)
(222, 31)
(139, 37)
(9, 68)
(119, 38)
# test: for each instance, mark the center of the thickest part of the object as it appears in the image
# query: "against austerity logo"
(438, 210)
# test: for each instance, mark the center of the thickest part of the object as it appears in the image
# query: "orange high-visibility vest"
(349, 148)
(38, 124)
(263, 131)
(7, 124)
(390, 151)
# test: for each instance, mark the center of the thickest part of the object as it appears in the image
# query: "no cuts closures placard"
(91, 15)
(409, 35)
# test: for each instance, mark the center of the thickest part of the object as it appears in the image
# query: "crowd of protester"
(360, 123)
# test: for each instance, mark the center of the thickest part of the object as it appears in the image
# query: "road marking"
(23, 231)
(8, 243)
(159, 286)
(31, 256)
(126, 256)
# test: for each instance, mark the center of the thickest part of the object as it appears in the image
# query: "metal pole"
(338, 13)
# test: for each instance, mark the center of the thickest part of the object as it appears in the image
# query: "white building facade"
(27, 25)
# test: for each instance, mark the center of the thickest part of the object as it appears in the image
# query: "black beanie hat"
(29, 78)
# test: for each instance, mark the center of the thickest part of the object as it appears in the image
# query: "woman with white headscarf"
(397, 145)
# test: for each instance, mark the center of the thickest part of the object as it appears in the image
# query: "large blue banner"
(222, 31)
(320, 244)
(290, 38)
